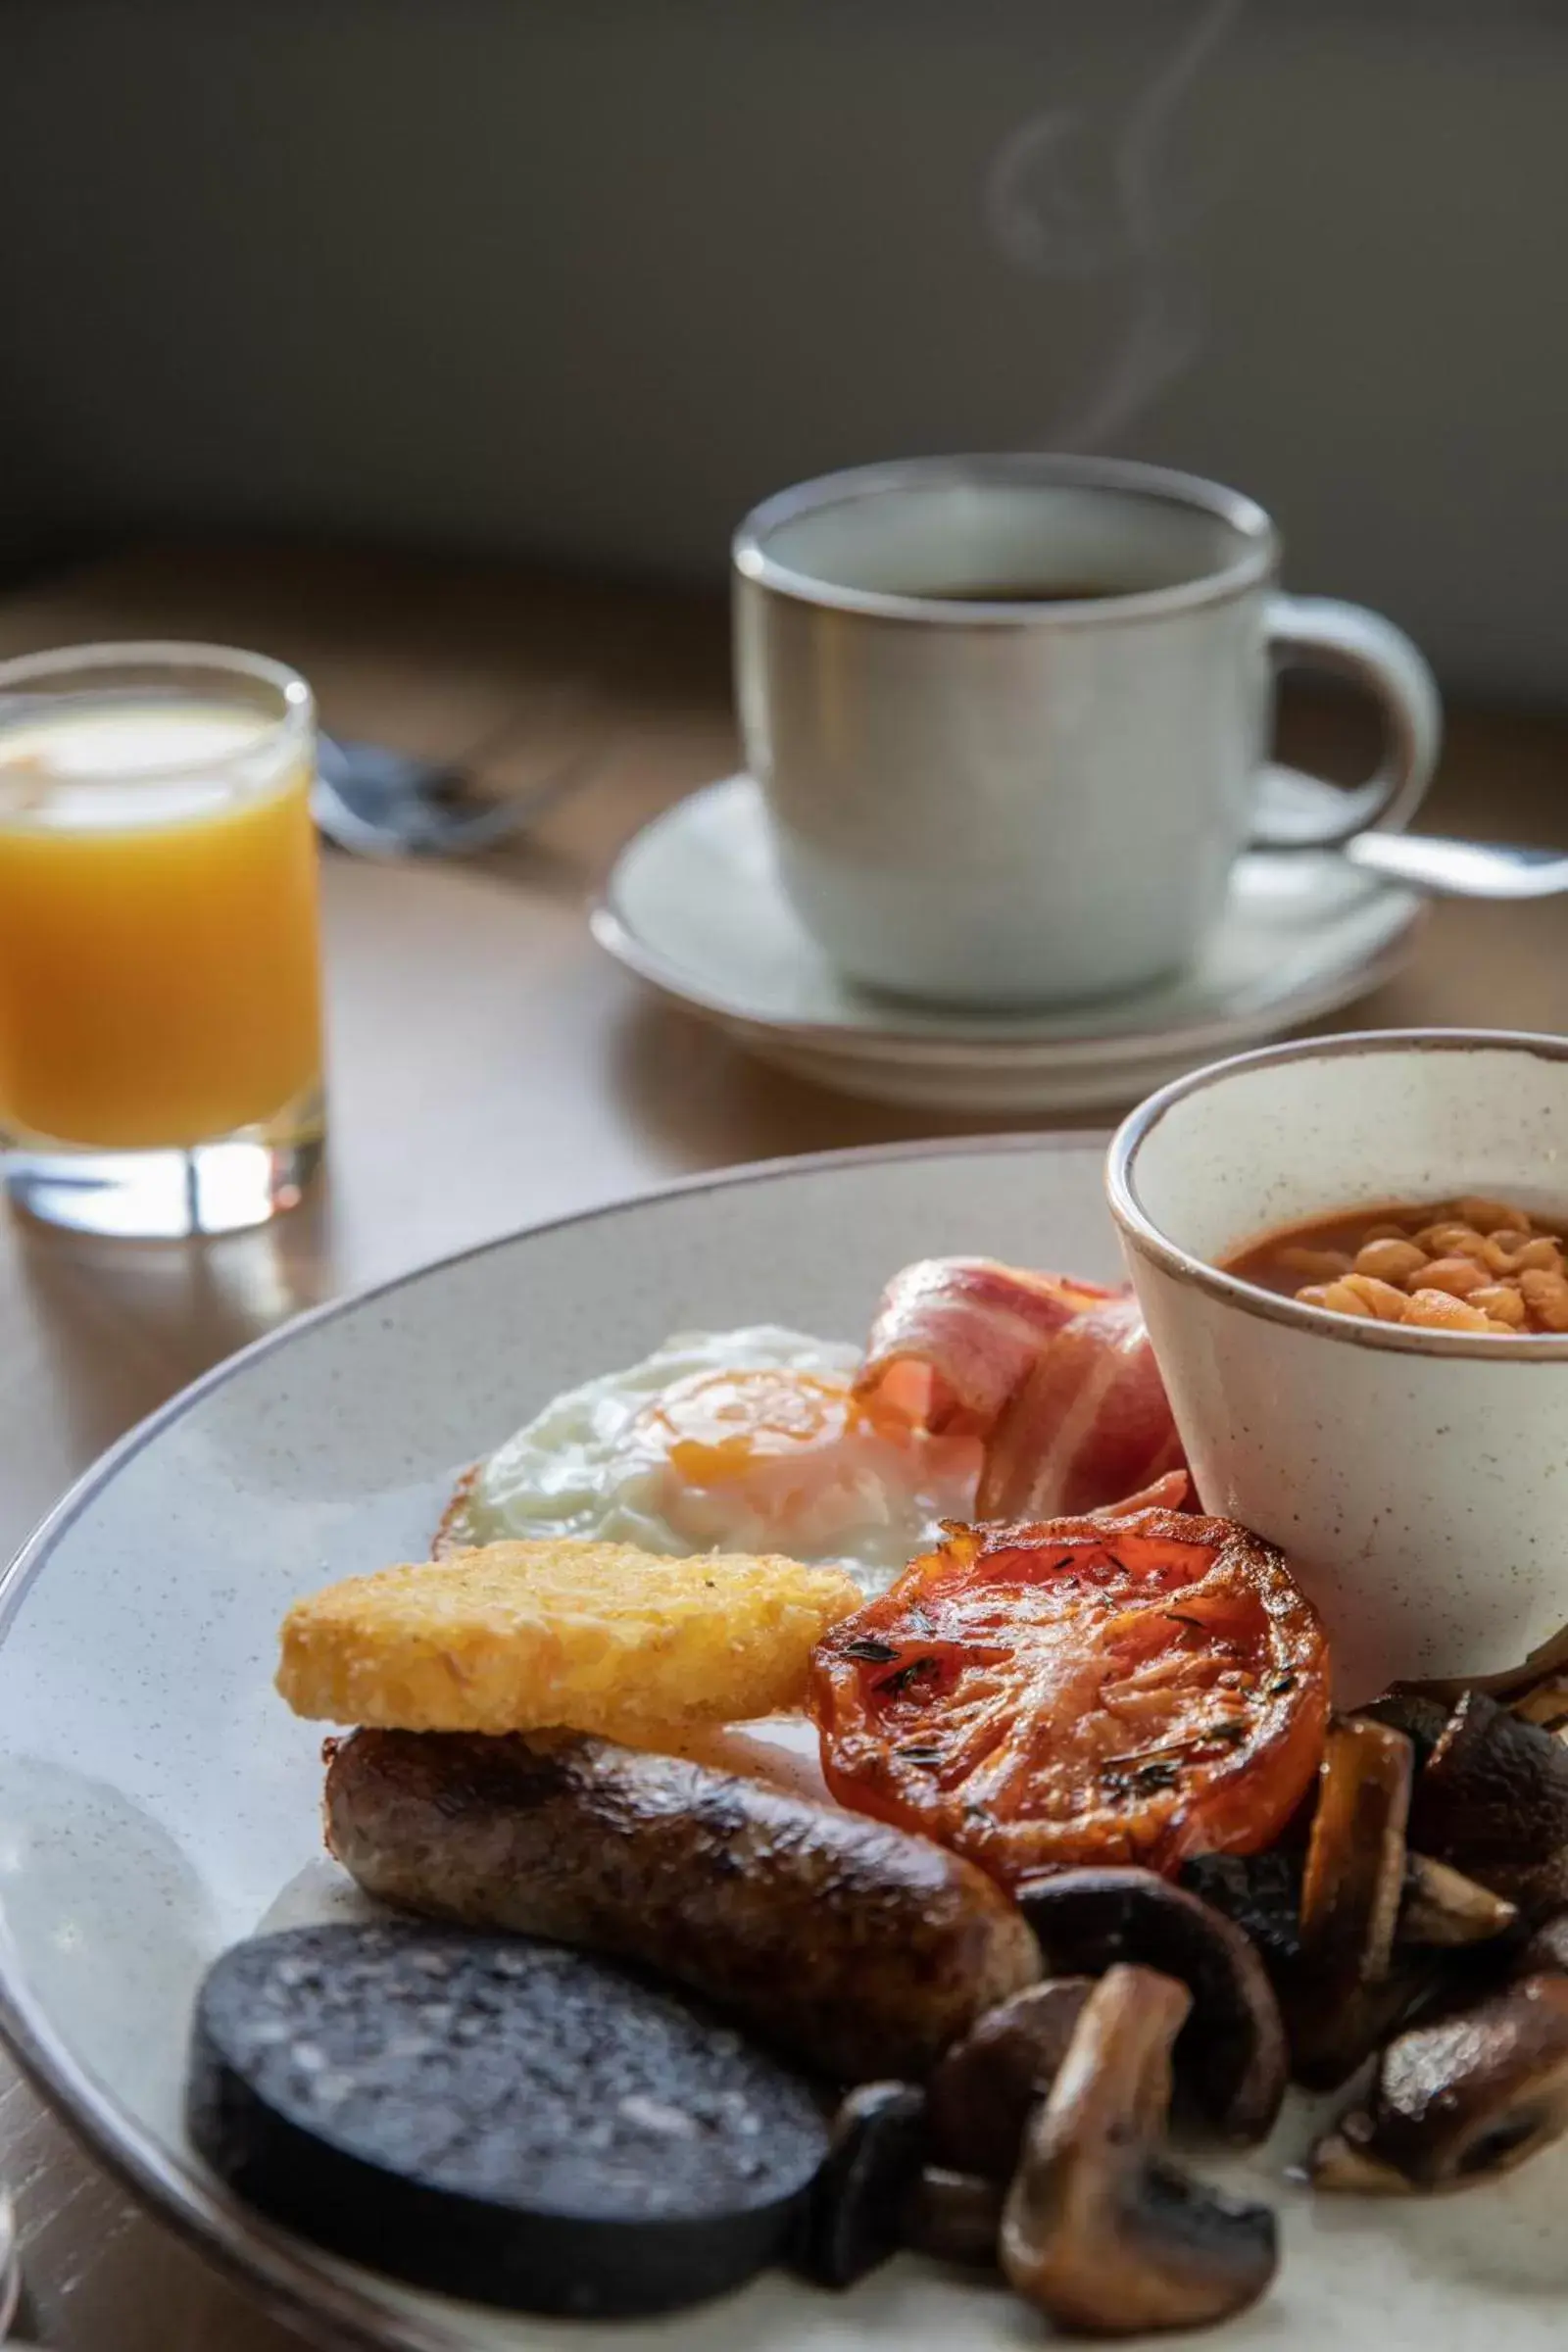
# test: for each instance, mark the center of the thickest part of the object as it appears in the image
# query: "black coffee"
(1041, 592)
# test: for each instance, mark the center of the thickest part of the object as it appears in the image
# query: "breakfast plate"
(158, 1803)
(694, 906)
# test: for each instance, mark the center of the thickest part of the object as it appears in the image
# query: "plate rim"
(288, 2279)
(620, 940)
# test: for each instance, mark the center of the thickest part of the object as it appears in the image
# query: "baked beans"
(1470, 1264)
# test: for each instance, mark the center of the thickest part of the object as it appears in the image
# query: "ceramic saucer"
(695, 907)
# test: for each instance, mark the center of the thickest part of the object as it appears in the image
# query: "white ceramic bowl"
(1418, 1479)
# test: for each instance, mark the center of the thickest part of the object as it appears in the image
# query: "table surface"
(489, 1067)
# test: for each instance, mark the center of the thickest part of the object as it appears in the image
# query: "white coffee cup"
(1011, 715)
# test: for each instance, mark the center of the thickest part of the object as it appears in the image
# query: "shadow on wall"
(583, 282)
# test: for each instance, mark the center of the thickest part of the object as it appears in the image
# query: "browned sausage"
(857, 1947)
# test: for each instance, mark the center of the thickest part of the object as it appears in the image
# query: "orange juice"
(159, 957)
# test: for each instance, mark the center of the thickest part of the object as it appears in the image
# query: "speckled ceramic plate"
(158, 1802)
(694, 906)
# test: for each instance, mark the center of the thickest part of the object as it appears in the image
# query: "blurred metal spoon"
(1461, 869)
(381, 803)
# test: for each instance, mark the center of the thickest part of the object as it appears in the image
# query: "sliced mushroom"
(1098, 2229)
(1261, 1894)
(1441, 1907)
(854, 2214)
(1351, 1995)
(1232, 2059)
(1420, 1716)
(954, 2217)
(1354, 1882)
(979, 2097)
(1462, 2099)
(1493, 1800)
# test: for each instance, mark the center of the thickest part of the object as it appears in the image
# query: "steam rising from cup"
(1071, 198)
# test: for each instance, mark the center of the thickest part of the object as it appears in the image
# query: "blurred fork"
(380, 803)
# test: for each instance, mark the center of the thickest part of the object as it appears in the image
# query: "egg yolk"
(717, 1427)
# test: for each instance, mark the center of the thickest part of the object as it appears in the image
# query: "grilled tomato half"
(1126, 1687)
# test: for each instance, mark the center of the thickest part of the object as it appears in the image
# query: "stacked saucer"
(694, 906)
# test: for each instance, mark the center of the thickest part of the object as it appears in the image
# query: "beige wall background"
(580, 278)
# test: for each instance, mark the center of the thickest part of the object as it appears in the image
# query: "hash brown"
(555, 1632)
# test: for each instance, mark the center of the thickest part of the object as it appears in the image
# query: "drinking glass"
(160, 956)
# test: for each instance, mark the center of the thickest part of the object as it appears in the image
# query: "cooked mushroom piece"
(954, 2217)
(855, 2213)
(1420, 1716)
(1462, 2099)
(1261, 1894)
(1443, 1909)
(1493, 1800)
(979, 2096)
(1349, 1994)
(1353, 1883)
(1098, 2229)
(1232, 2059)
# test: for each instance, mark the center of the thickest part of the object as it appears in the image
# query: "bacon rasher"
(1057, 1376)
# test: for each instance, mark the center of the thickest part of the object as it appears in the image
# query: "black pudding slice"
(495, 2117)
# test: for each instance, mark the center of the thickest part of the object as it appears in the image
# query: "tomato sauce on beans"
(1465, 1264)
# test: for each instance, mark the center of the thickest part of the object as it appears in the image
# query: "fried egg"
(737, 1440)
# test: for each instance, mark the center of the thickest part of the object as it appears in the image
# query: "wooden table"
(489, 1067)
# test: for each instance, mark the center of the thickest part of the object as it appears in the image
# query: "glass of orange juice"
(160, 957)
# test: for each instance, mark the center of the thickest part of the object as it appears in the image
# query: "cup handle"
(1318, 632)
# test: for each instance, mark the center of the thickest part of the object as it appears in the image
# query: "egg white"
(580, 1468)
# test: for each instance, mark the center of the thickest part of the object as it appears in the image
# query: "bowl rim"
(1142, 1236)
